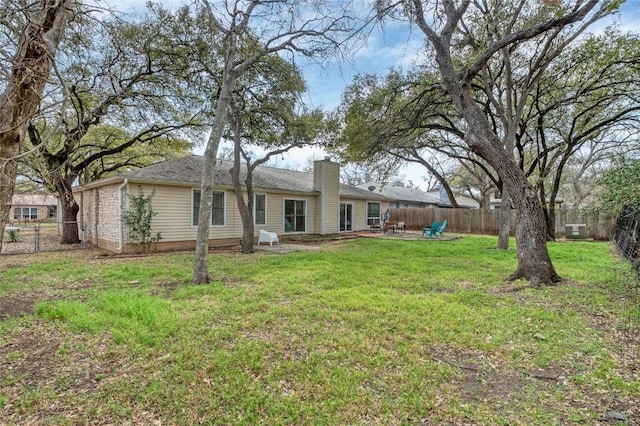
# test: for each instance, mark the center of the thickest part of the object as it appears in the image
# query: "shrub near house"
(138, 219)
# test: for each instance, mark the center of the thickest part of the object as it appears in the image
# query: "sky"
(395, 47)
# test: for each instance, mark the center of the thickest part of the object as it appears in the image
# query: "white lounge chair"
(268, 237)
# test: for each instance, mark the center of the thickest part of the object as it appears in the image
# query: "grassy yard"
(365, 331)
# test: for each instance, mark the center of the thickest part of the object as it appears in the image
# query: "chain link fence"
(627, 240)
(33, 238)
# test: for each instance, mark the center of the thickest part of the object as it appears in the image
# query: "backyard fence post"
(36, 238)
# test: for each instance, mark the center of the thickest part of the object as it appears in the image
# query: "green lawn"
(365, 331)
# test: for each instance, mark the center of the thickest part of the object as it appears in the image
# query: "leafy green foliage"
(621, 186)
(13, 236)
(138, 218)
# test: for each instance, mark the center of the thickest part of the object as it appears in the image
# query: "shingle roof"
(187, 171)
(34, 200)
(462, 200)
(355, 192)
(400, 193)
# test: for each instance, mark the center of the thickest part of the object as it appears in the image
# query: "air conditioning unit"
(575, 231)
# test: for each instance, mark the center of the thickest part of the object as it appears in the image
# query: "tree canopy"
(621, 186)
(119, 102)
(464, 53)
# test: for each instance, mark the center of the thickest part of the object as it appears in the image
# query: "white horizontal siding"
(173, 207)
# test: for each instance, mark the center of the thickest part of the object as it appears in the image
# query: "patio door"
(346, 217)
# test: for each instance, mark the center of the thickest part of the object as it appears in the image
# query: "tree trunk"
(8, 169)
(247, 219)
(22, 95)
(201, 267)
(69, 214)
(550, 216)
(247, 230)
(534, 263)
(245, 208)
(504, 230)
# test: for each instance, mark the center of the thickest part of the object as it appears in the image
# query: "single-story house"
(27, 208)
(286, 202)
(412, 198)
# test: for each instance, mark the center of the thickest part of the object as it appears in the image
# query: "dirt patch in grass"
(8, 261)
(482, 380)
(15, 306)
(478, 377)
(56, 366)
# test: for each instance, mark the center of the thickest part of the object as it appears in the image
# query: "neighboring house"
(403, 198)
(463, 201)
(286, 202)
(27, 208)
(496, 204)
(411, 198)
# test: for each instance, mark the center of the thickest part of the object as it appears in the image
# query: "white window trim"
(371, 217)
(266, 216)
(224, 211)
(224, 208)
(353, 209)
(306, 216)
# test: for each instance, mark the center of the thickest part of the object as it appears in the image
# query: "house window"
(295, 215)
(373, 214)
(25, 213)
(260, 209)
(217, 209)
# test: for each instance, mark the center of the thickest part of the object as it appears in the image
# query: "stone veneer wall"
(100, 216)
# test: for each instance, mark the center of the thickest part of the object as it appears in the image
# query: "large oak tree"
(30, 67)
(443, 23)
(119, 89)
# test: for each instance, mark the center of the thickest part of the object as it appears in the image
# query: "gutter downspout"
(323, 195)
(120, 211)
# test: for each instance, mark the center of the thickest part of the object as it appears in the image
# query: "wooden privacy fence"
(477, 221)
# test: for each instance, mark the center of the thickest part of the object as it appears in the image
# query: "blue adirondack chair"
(431, 231)
(441, 229)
